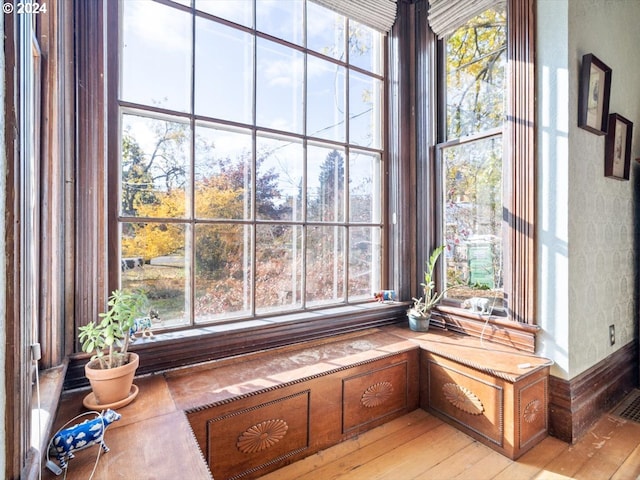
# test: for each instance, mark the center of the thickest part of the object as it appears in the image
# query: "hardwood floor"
(420, 446)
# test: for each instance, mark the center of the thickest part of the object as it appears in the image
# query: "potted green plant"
(112, 367)
(419, 314)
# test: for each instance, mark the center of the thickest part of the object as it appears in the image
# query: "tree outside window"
(232, 210)
(472, 158)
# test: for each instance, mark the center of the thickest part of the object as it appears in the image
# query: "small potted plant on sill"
(112, 367)
(419, 314)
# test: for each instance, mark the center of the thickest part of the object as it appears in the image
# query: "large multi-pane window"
(251, 157)
(471, 156)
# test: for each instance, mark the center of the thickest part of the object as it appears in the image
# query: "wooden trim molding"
(424, 58)
(12, 367)
(57, 145)
(521, 213)
(495, 329)
(575, 405)
(401, 154)
(91, 182)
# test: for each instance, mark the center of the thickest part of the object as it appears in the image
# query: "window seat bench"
(249, 415)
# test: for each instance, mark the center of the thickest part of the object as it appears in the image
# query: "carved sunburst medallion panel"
(462, 398)
(377, 394)
(532, 410)
(262, 436)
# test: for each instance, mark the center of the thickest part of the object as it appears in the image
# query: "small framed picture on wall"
(593, 95)
(617, 151)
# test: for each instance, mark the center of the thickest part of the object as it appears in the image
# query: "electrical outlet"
(612, 334)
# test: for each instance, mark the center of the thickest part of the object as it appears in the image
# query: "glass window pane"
(237, 11)
(278, 267)
(153, 258)
(223, 163)
(365, 47)
(279, 87)
(325, 184)
(223, 76)
(325, 265)
(222, 271)
(476, 75)
(154, 167)
(267, 141)
(280, 163)
(365, 110)
(282, 19)
(365, 187)
(473, 220)
(325, 99)
(325, 31)
(156, 55)
(364, 262)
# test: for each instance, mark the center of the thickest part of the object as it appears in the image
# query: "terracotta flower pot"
(113, 384)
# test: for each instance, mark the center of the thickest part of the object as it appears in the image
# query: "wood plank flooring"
(420, 446)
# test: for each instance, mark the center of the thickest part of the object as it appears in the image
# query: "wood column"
(91, 270)
(521, 213)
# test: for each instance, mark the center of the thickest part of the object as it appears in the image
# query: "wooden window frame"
(35, 307)
(97, 145)
(410, 132)
(519, 211)
(302, 222)
(23, 115)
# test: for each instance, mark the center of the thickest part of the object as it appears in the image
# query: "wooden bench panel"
(269, 424)
(508, 415)
(250, 439)
(373, 395)
(470, 399)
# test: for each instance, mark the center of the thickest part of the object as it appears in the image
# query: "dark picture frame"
(617, 152)
(593, 95)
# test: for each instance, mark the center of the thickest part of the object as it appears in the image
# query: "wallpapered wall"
(587, 262)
